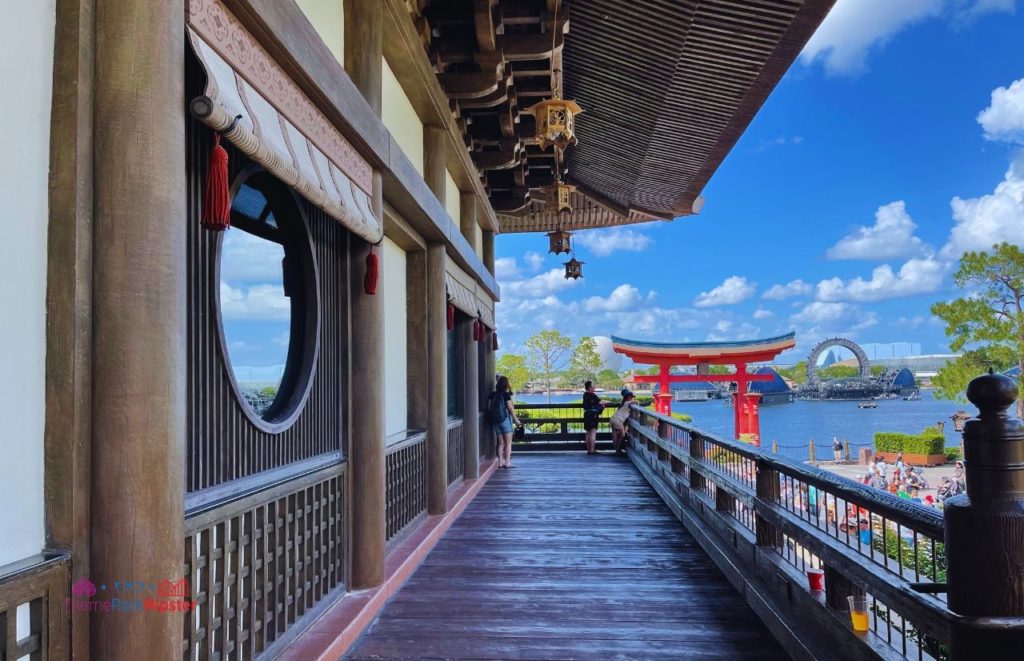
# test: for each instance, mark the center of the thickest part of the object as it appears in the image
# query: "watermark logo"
(165, 596)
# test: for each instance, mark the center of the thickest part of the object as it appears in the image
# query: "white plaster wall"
(452, 201)
(26, 66)
(401, 119)
(396, 385)
(328, 17)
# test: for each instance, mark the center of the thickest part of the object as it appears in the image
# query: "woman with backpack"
(502, 414)
(592, 408)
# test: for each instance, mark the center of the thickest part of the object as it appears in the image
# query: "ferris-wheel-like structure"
(814, 380)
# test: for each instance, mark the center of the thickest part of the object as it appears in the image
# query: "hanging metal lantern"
(573, 269)
(555, 122)
(558, 197)
(559, 242)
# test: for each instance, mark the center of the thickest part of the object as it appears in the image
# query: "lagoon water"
(794, 425)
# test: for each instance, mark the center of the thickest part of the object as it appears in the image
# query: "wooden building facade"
(162, 501)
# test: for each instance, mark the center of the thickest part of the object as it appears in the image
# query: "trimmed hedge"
(930, 441)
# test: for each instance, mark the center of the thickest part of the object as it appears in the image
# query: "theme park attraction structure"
(704, 354)
(893, 382)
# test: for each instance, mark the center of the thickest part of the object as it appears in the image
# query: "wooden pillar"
(767, 485)
(363, 48)
(468, 222)
(437, 381)
(139, 319)
(471, 402)
(366, 451)
(488, 250)
(985, 526)
(435, 156)
(488, 442)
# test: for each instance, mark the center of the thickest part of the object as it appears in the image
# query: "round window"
(267, 301)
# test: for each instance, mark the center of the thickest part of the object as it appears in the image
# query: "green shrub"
(954, 454)
(930, 441)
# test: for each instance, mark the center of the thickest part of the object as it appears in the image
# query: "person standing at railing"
(592, 407)
(502, 414)
(618, 420)
(837, 449)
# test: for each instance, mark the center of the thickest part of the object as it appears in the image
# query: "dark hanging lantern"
(494, 340)
(959, 418)
(559, 242)
(573, 269)
(451, 317)
(558, 197)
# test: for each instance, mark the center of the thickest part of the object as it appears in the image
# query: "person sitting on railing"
(502, 414)
(618, 420)
(592, 407)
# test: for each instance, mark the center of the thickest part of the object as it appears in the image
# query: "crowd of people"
(903, 480)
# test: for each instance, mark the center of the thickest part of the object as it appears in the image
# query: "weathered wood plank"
(567, 556)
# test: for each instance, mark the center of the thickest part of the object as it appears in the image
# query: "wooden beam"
(437, 381)
(435, 169)
(364, 21)
(470, 229)
(140, 319)
(69, 299)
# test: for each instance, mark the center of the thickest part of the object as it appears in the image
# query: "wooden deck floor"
(567, 557)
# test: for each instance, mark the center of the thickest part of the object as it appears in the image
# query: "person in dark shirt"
(503, 415)
(592, 407)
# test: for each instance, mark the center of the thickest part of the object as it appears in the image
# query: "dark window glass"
(453, 375)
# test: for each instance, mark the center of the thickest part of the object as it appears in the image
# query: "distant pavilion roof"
(667, 88)
(690, 353)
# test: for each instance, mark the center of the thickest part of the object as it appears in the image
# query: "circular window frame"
(304, 345)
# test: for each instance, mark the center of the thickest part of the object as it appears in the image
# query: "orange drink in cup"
(859, 613)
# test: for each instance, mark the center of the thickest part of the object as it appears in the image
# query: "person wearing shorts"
(618, 420)
(592, 407)
(503, 427)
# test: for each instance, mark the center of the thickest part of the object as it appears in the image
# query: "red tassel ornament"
(494, 341)
(451, 317)
(217, 194)
(370, 280)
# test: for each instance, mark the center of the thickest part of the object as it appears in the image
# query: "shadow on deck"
(567, 556)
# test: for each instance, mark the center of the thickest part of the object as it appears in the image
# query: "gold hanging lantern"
(559, 242)
(555, 122)
(558, 197)
(573, 269)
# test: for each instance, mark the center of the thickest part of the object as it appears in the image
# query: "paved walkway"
(567, 556)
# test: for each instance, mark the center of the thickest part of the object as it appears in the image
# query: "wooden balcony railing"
(766, 520)
(406, 483)
(456, 451)
(38, 587)
(559, 427)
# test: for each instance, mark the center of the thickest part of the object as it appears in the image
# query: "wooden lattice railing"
(406, 483)
(766, 520)
(456, 451)
(34, 618)
(260, 564)
(559, 427)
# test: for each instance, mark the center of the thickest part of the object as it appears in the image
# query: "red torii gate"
(703, 354)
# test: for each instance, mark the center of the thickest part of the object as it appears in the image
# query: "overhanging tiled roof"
(667, 88)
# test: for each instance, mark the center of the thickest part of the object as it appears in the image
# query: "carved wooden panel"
(406, 483)
(258, 565)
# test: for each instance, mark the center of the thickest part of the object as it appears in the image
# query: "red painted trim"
(334, 632)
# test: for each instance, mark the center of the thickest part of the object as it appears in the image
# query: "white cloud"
(1003, 120)
(623, 297)
(818, 320)
(983, 221)
(247, 258)
(539, 286)
(259, 302)
(792, 288)
(916, 276)
(762, 313)
(534, 260)
(605, 242)
(856, 27)
(725, 331)
(506, 268)
(978, 8)
(891, 236)
(735, 289)
(778, 141)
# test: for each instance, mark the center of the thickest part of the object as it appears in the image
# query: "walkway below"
(567, 557)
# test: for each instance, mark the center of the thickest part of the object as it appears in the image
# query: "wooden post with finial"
(985, 526)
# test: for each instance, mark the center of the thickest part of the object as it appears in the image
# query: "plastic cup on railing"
(815, 580)
(859, 613)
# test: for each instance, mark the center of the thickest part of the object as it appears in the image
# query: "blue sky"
(886, 151)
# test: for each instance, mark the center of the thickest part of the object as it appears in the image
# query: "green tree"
(876, 370)
(990, 319)
(719, 369)
(547, 353)
(609, 379)
(584, 364)
(514, 367)
(797, 373)
(951, 381)
(838, 372)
